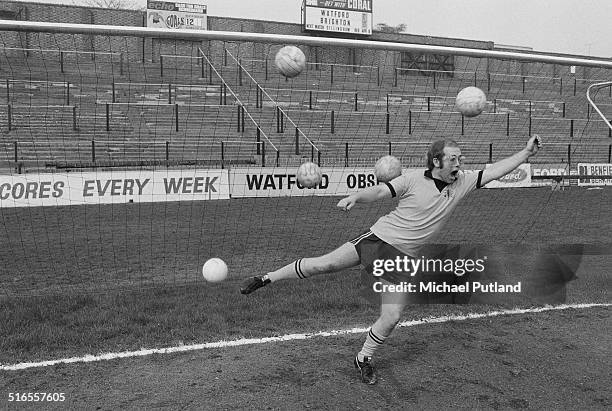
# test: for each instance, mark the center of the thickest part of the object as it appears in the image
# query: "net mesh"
(83, 104)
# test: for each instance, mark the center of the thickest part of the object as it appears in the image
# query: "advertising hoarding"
(176, 15)
(338, 16)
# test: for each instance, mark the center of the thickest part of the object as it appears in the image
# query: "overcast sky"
(565, 26)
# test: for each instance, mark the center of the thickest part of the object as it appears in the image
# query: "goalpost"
(131, 155)
(596, 87)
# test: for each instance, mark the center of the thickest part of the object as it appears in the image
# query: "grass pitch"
(89, 280)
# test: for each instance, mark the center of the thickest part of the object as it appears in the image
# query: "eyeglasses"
(455, 159)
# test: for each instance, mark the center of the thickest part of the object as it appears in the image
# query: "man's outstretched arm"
(367, 195)
(503, 167)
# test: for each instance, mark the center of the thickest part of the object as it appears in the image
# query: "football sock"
(373, 341)
(293, 270)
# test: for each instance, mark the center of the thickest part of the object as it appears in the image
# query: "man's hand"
(347, 203)
(533, 145)
(503, 167)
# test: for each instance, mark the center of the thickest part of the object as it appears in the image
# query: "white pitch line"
(288, 337)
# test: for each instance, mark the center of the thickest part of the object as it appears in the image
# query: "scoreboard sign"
(339, 16)
(175, 15)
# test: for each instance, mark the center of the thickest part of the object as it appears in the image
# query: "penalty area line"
(288, 337)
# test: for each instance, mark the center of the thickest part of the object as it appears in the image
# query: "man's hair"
(436, 150)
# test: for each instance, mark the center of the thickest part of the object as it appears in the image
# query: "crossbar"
(199, 35)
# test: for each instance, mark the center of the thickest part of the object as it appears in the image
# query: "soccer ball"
(290, 61)
(387, 168)
(309, 175)
(471, 101)
(214, 270)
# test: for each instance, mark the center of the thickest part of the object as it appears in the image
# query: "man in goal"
(426, 199)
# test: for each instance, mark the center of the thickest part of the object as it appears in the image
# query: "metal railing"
(172, 90)
(280, 114)
(63, 85)
(62, 53)
(260, 132)
(331, 68)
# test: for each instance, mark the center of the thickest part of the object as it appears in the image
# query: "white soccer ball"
(471, 101)
(387, 168)
(290, 61)
(309, 175)
(214, 270)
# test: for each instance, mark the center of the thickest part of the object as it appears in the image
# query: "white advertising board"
(550, 170)
(33, 190)
(176, 15)
(281, 182)
(339, 16)
(595, 169)
(519, 177)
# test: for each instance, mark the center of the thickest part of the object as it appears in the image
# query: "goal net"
(129, 159)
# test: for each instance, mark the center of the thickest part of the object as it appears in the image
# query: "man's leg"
(392, 306)
(342, 257)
